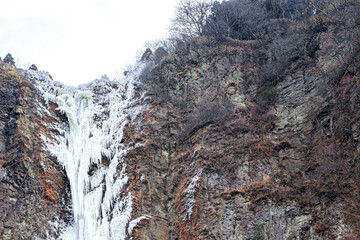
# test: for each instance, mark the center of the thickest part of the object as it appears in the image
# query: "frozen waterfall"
(90, 149)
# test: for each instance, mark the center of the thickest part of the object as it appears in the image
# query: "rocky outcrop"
(9, 59)
(31, 181)
(227, 156)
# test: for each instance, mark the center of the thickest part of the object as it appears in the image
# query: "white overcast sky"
(77, 41)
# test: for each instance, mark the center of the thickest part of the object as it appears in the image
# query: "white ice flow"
(90, 148)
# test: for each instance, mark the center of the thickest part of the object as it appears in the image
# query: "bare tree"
(190, 18)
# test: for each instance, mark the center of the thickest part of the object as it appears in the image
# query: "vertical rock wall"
(226, 156)
(32, 183)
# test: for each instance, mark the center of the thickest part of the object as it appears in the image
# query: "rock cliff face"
(227, 156)
(32, 183)
(223, 152)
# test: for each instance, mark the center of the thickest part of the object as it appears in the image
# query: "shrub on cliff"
(213, 108)
(286, 32)
(253, 19)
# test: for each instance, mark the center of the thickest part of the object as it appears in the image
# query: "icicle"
(97, 114)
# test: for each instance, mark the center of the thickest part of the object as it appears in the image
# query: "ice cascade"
(90, 148)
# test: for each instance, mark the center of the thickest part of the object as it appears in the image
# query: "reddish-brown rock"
(226, 156)
(32, 183)
(232, 144)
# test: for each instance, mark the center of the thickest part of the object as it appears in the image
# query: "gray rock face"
(159, 54)
(147, 55)
(225, 158)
